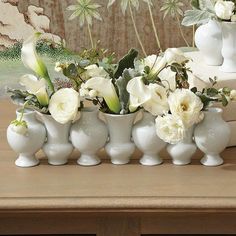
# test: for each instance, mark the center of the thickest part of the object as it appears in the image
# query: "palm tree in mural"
(173, 8)
(85, 10)
(129, 4)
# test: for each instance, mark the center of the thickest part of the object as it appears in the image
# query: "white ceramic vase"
(27, 145)
(212, 136)
(147, 141)
(229, 47)
(120, 147)
(182, 152)
(89, 134)
(208, 39)
(57, 148)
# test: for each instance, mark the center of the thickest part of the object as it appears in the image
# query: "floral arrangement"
(203, 10)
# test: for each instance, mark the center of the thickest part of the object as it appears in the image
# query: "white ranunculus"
(158, 102)
(95, 71)
(174, 55)
(154, 62)
(224, 9)
(36, 87)
(104, 88)
(64, 105)
(233, 95)
(185, 105)
(139, 93)
(170, 128)
(167, 77)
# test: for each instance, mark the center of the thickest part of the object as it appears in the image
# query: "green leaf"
(121, 84)
(224, 100)
(125, 63)
(195, 4)
(194, 89)
(212, 92)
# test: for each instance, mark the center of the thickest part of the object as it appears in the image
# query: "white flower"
(32, 61)
(167, 77)
(36, 87)
(185, 105)
(158, 102)
(170, 128)
(93, 93)
(139, 93)
(19, 127)
(174, 55)
(152, 97)
(83, 90)
(233, 95)
(154, 62)
(64, 105)
(224, 9)
(233, 18)
(95, 71)
(58, 67)
(105, 89)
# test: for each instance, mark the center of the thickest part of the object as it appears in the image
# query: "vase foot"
(212, 160)
(150, 160)
(88, 160)
(181, 162)
(120, 161)
(228, 67)
(26, 161)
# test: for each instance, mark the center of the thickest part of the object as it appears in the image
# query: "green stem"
(136, 30)
(154, 27)
(49, 82)
(23, 110)
(90, 35)
(181, 31)
(193, 36)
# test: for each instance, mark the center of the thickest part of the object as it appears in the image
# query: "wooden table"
(109, 200)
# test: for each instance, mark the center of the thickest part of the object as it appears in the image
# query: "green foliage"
(56, 52)
(202, 11)
(121, 84)
(125, 63)
(19, 97)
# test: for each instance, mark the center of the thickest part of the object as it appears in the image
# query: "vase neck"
(148, 116)
(56, 131)
(89, 115)
(189, 135)
(120, 127)
(213, 114)
(28, 115)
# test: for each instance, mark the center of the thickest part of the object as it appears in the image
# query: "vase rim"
(89, 109)
(118, 115)
(214, 110)
(27, 111)
(228, 22)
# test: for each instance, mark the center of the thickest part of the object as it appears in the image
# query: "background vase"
(27, 145)
(89, 134)
(147, 141)
(182, 152)
(212, 136)
(58, 147)
(120, 148)
(208, 39)
(229, 47)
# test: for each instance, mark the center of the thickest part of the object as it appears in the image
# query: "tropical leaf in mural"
(85, 10)
(172, 8)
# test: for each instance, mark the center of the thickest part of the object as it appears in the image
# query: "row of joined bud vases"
(90, 134)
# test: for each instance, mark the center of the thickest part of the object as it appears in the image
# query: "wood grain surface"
(116, 31)
(105, 200)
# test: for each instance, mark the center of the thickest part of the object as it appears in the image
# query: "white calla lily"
(167, 77)
(95, 71)
(174, 55)
(105, 89)
(36, 87)
(139, 93)
(32, 61)
(64, 105)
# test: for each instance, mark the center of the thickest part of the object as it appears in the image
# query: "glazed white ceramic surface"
(212, 136)
(57, 148)
(147, 141)
(229, 47)
(89, 134)
(182, 152)
(27, 145)
(120, 147)
(208, 39)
